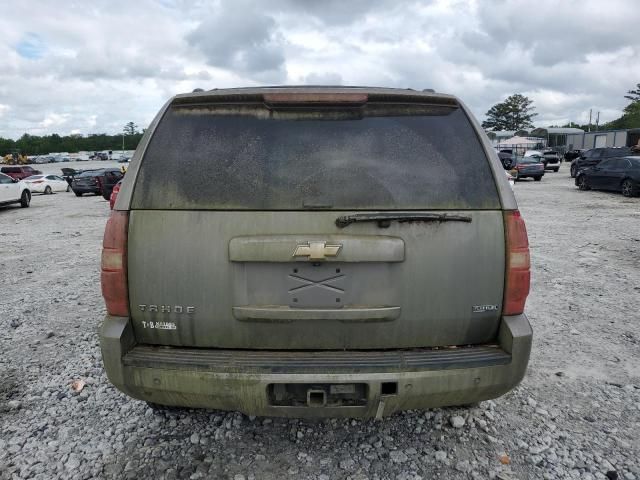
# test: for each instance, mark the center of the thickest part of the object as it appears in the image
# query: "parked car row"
(98, 182)
(621, 174)
(16, 189)
(594, 156)
(52, 159)
(530, 165)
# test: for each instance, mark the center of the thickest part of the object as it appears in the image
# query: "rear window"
(200, 159)
(92, 173)
(529, 160)
(616, 152)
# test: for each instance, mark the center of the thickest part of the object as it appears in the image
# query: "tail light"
(518, 267)
(114, 195)
(114, 264)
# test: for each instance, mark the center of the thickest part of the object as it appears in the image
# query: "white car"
(511, 179)
(47, 184)
(14, 191)
(532, 153)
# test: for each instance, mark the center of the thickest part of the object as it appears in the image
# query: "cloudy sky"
(91, 66)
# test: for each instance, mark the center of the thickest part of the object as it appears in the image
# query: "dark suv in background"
(20, 172)
(551, 160)
(595, 156)
(89, 180)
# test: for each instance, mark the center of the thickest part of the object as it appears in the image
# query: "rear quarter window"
(201, 159)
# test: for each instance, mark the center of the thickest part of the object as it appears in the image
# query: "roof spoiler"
(297, 97)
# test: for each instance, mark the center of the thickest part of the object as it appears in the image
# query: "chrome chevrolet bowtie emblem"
(317, 250)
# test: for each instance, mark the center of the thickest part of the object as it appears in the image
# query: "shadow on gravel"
(8, 388)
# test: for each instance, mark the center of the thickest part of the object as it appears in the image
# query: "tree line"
(517, 113)
(42, 145)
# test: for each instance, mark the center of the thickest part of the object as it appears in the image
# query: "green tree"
(631, 114)
(515, 113)
(36, 145)
(629, 119)
(634, 95)
(130, 129)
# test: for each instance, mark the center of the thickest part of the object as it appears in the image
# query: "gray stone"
(347, 464)
(72, 462)
(457, 421)
(441, 456)
(397, 456)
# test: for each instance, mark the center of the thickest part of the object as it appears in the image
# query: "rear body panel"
(530, 170)
(246, 292)
(431, 272)
(85, 185)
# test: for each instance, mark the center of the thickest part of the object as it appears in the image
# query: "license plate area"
(317, 285)
(317, 395)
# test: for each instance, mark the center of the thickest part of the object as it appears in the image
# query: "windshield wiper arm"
(384, 219)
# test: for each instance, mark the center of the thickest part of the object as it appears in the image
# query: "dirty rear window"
(207, 160)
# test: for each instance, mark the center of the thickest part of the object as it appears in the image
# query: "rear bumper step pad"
(321, 361)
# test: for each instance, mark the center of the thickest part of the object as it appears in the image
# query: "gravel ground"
(576, 414)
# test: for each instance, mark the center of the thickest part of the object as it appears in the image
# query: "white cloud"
(94, 68)
(54, 120)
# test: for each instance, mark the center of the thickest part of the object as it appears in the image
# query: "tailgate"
(252, 280)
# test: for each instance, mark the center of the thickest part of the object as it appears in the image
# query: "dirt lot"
(576, 414)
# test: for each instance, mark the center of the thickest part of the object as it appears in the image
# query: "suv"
(594, 156)
(89, 180)
(19, 172)
(108, 181)
(551, 160)
(507, 158)
(348, 252)
(13, 190)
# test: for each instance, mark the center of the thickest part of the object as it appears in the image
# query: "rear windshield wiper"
(384, 219)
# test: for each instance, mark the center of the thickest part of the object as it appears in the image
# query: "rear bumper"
(530, 175)
(85, 188)
(240, 380)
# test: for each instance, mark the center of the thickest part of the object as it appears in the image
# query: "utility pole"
(597, 120)
(589, 128)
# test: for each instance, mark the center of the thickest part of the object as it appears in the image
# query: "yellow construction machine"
(15, 158)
